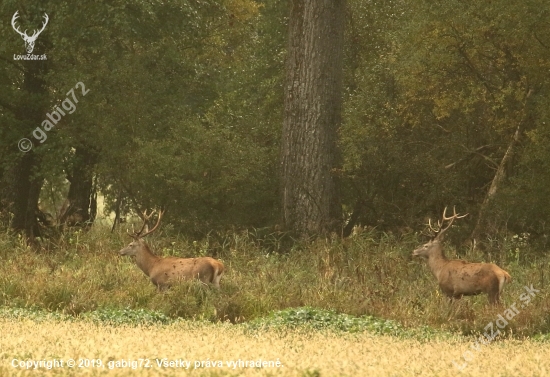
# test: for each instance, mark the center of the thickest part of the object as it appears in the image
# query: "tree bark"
(25, 189)
(313, 102)
(22, 179)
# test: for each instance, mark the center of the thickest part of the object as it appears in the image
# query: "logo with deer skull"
(29, 40)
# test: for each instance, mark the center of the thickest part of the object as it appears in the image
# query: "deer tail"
(218, 272)
(507, 277)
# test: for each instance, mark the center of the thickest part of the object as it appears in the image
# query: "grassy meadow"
(367, 308)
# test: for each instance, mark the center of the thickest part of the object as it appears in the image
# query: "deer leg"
(453, 298)
(494, 298)
(494, 292)
(161, 288)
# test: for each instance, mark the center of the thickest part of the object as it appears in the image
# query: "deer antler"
(146, 217)
(439, 230)
(156, 225)
(450, 219)
(432, 229)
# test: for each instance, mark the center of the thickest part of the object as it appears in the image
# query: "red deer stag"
(164, 271)
(459, 278)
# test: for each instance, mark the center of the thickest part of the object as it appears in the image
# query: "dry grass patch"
(300, 352)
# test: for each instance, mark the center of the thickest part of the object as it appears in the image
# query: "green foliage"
(521, 206)
(436, 92)
(319, 319)
(126, 317)
(187, 97)
(101, 316)
(180, 93)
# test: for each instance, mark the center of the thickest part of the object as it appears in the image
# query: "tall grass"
(368, 274)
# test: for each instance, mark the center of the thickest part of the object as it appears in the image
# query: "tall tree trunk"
(313, 102)
(26, 188)
(22, 181)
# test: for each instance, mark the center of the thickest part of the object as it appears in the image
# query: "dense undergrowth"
(368, 282)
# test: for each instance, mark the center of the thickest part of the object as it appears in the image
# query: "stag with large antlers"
(459, 278)
(165, 271)
(29, 40)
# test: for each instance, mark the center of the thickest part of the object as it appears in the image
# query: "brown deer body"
(459, 278)
(165, 271)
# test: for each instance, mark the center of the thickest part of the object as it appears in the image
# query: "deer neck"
(145, 259)
(437, 260)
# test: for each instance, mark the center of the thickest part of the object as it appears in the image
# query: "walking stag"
(459, 278)
(163, 272)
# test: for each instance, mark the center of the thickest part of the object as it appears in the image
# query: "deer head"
(137, 244)
(29, 40)
(437, 234)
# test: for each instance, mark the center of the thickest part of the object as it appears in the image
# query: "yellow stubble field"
(58, 348)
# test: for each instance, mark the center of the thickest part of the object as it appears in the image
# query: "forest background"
(443, 104)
